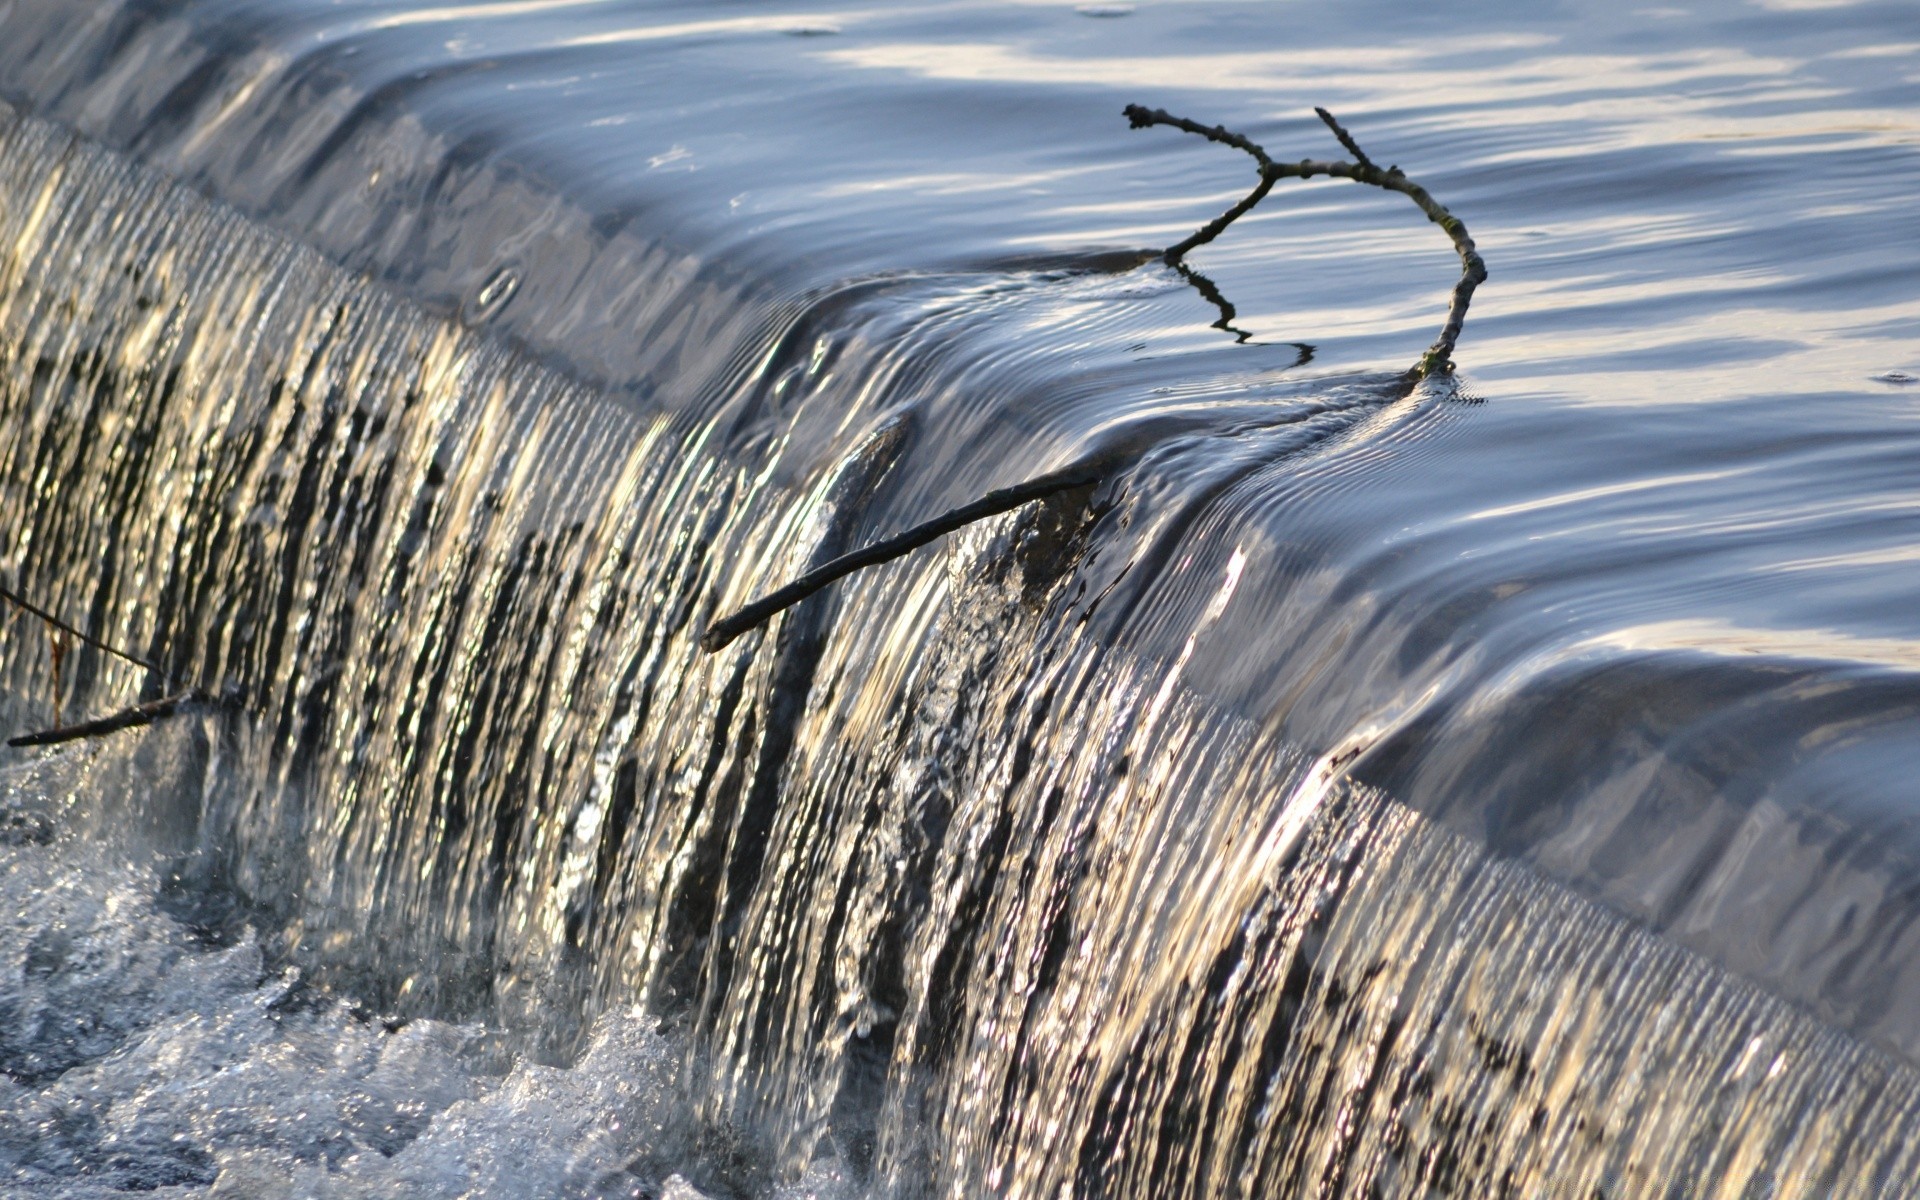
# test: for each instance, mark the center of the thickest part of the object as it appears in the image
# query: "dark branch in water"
(1437, 360)
(1473, 269)
(8, 594)
(190, 700)
(993, 503)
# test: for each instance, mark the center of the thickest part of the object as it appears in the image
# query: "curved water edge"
(910, 887)
(934, 880)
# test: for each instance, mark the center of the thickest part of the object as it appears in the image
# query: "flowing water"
(1498, 785)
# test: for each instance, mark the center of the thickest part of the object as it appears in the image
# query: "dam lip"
(1894, 1032)
(454, 286)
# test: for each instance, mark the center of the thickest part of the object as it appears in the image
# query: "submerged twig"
(126, 718)
(993, 503)
(1473, 269)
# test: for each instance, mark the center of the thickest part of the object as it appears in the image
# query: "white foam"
(134, 1057)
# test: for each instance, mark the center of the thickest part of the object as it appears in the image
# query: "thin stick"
(126, 718)
(57, 623)
(993, 503)
(1438, 359)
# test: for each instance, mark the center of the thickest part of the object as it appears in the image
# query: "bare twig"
(1141, 118)
(993, 503)
(10, 595)
(127, 718)
(1473, 269)
(190, 700)
(1437, 360)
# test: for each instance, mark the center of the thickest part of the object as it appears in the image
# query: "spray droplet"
(494, 294)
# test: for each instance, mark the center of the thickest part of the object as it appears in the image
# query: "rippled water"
(1500, 785)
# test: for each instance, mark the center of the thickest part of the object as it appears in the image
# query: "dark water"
(1496, 786)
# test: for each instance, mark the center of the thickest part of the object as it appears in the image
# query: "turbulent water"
(1496, 785)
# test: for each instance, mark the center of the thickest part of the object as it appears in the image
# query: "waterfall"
(942, 873)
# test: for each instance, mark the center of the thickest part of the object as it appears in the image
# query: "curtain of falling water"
(931, 871)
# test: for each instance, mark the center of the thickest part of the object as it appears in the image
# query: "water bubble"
(494, 293)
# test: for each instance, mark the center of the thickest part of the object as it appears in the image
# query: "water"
(1494, 786)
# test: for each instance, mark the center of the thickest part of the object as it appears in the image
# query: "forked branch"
(1438, 360)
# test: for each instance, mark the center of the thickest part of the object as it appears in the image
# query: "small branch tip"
(1346, 139)
(1473, 271)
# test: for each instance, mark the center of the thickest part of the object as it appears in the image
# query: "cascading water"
(1145, 841)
